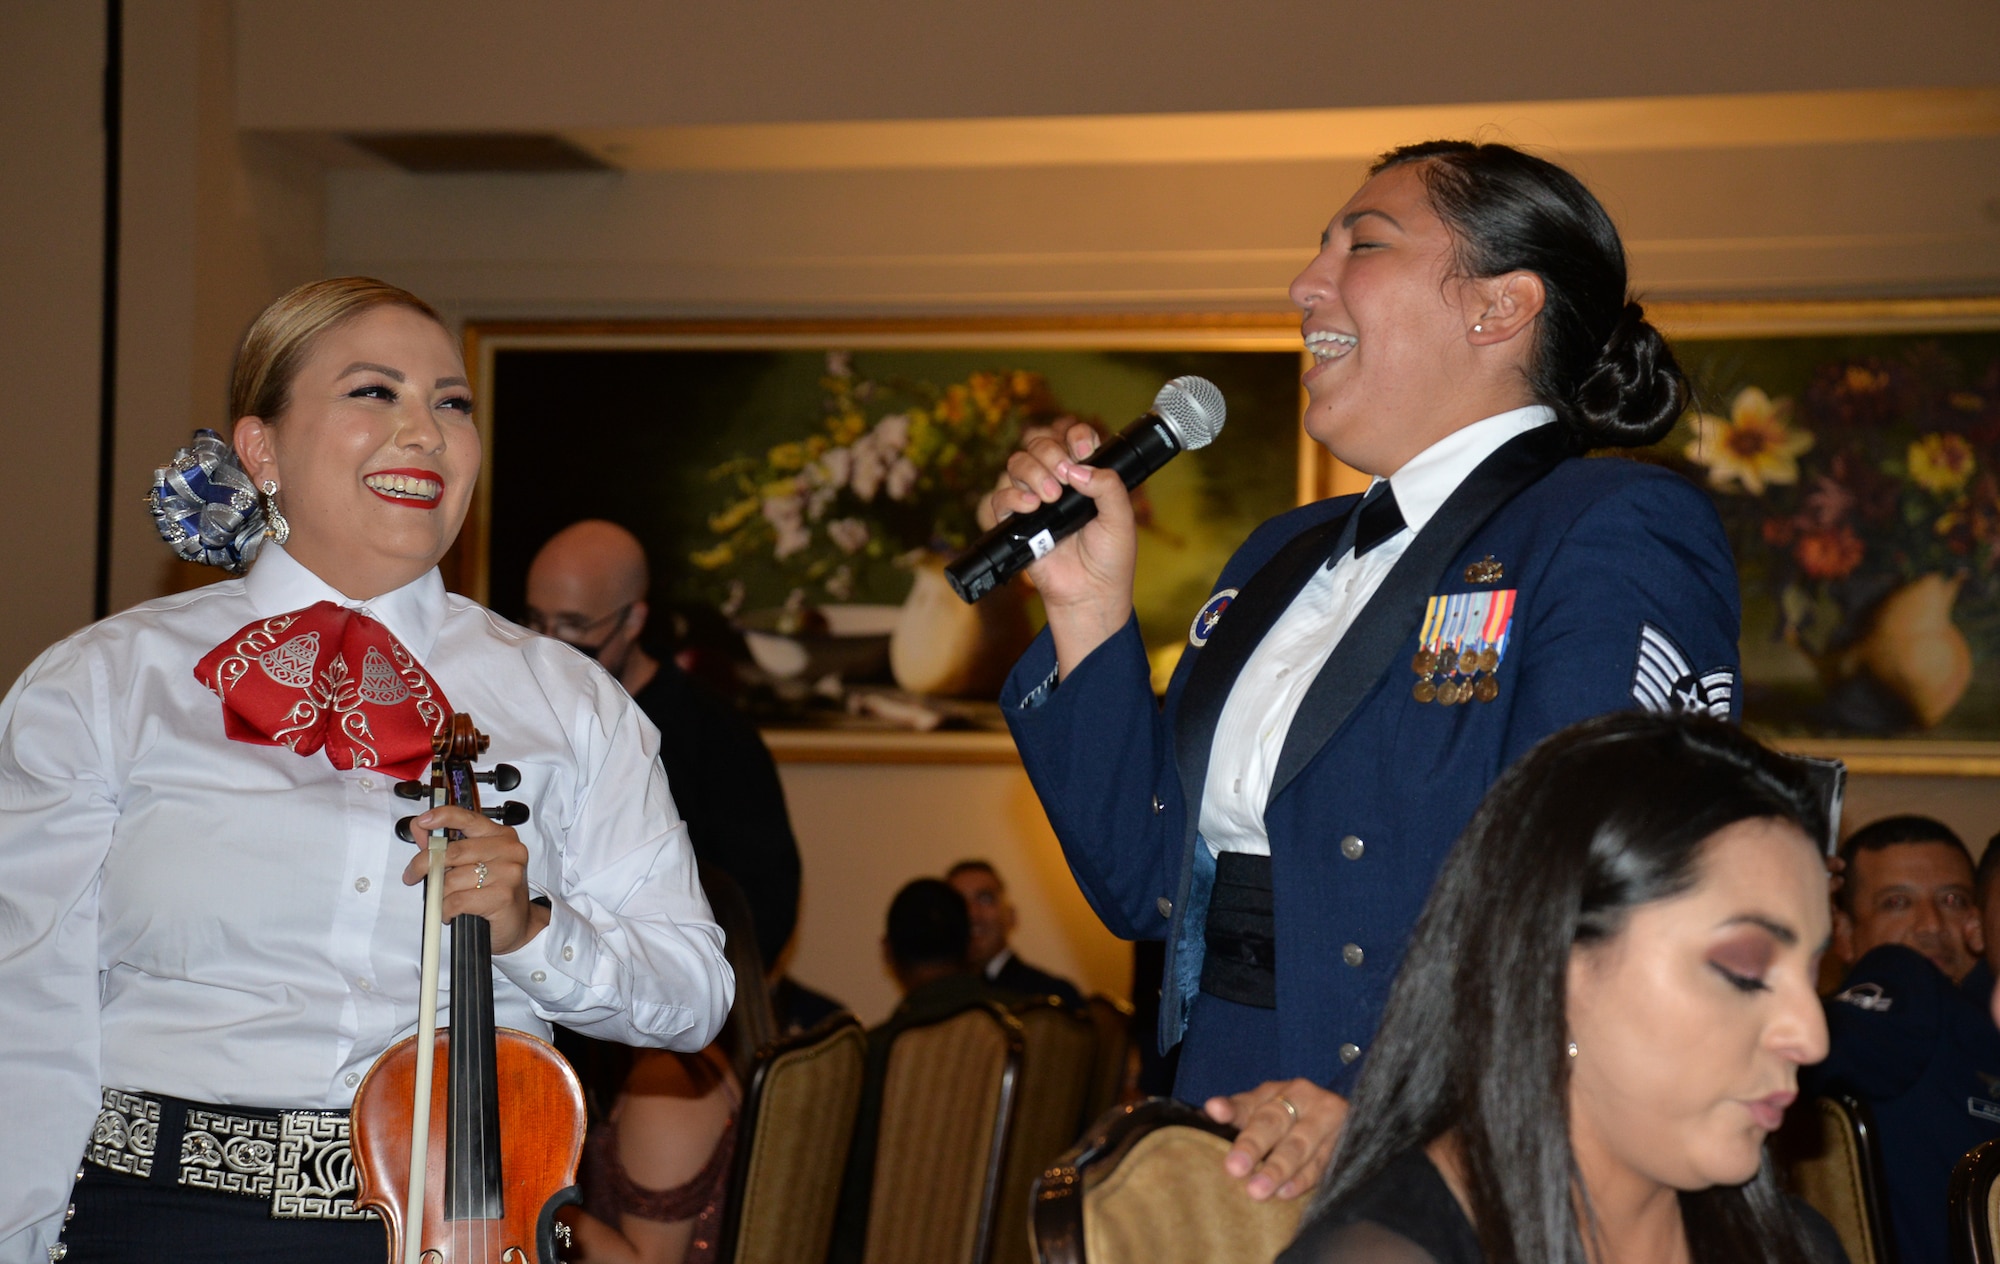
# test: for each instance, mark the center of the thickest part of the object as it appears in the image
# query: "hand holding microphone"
(1053, 488)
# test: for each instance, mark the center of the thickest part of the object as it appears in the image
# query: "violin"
(470, 1167)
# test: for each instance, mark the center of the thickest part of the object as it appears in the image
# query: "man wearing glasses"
(587, 588)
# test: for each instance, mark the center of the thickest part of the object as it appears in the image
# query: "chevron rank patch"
(1665, 682)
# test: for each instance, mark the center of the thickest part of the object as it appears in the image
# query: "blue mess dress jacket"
(1623, 594)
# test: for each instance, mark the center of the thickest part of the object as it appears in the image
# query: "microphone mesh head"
(1193, 409)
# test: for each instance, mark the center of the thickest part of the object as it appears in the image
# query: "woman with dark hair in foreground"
(1601, 1018)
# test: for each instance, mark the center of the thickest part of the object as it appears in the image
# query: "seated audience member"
(656, 1163)
(1600, 1019)
(925, 947)
(588, 588)
(993, 920)
(1922, 1053)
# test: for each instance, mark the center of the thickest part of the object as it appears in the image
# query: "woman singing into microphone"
(1367, 666)
(209, 929)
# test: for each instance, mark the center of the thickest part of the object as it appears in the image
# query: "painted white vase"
(944, 647)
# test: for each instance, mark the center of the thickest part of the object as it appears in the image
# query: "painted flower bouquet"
(1867, 506)
(892, 470)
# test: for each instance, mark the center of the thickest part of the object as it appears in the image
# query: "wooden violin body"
(541, 1124)
(471, 1166)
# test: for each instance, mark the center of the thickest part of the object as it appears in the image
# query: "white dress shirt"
(1250, 733)
(215, 920)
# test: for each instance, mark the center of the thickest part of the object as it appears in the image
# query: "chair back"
(1146, 1186)
(1973, 1201)
(1832, 1158)
(948, 1101)
(793, 1131)
(1113, 1020)
(1056, 1072)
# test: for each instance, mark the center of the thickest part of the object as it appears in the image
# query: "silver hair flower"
(205, 506)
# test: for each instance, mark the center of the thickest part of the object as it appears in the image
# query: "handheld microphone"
(1187, 413)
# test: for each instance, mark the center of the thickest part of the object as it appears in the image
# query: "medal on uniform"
(1208, 616)
(1462, 644)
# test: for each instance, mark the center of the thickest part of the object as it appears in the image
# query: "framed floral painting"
(800, 483)
(1853, 452)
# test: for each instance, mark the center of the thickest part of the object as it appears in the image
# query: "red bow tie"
(327, 677)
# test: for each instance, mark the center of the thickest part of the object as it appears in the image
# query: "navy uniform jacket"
(1373, 786)
(1925, 1057)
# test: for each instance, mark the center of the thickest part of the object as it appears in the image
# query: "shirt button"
(361, 884)
(1353, 955)
(539, 976)
(1284, 672)
(1165, 905)
(353, 1078)
(1349, 1052)
(367, 784)
(364, 985)
(1352, 847)
(1238, 786)
(569, 953)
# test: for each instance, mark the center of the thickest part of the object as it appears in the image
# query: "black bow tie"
(1378, 518)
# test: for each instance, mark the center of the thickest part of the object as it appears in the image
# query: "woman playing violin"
(209, 929)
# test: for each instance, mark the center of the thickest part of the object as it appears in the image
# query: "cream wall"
(237, 185)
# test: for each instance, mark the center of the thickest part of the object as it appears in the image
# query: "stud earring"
(1572, 1048)
(1478, 329)
(276, 529)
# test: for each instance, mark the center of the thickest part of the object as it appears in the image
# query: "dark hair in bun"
(1598, 362)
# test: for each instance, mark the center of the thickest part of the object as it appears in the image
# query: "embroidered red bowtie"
(329, 678)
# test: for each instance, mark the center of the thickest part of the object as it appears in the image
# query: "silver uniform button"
(1165, 905)
(1352, 847)
(1158, 807)
(1353, 955)
(1349, 1052)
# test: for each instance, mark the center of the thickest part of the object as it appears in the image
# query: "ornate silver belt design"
(298, 1161)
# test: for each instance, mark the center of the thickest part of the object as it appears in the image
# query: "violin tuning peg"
(503, 778)
(413, 789)
(511, 813)
(404, 831)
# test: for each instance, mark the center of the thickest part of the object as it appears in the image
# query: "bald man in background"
(587, 588)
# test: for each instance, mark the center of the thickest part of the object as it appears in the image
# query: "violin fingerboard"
(472, 1143)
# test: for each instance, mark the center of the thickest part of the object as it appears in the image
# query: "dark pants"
(125, 1220)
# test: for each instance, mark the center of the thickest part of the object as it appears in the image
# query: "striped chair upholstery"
(1061, 1054)
(1113, 1020)
(793, 1131)
(948, 1101)
(1830, 1157)
(1147, 1187)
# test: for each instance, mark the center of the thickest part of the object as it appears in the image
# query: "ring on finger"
(1290, 1109)
(479, 880)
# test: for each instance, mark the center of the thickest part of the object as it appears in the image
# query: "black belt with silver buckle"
(297, 1161)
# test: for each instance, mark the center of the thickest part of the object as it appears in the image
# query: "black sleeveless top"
(1407, 1215)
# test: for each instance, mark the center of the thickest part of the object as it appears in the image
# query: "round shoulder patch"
(1209, 616)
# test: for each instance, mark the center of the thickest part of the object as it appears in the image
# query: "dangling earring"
(1572, 1048)
(276, 529)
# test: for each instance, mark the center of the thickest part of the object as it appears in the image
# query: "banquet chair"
(1060, 1055)
(1146, 1186)
(1113, 1020)
(1973, 1201)
(793, 1131)
(949, 1091)
(1831, 1157)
